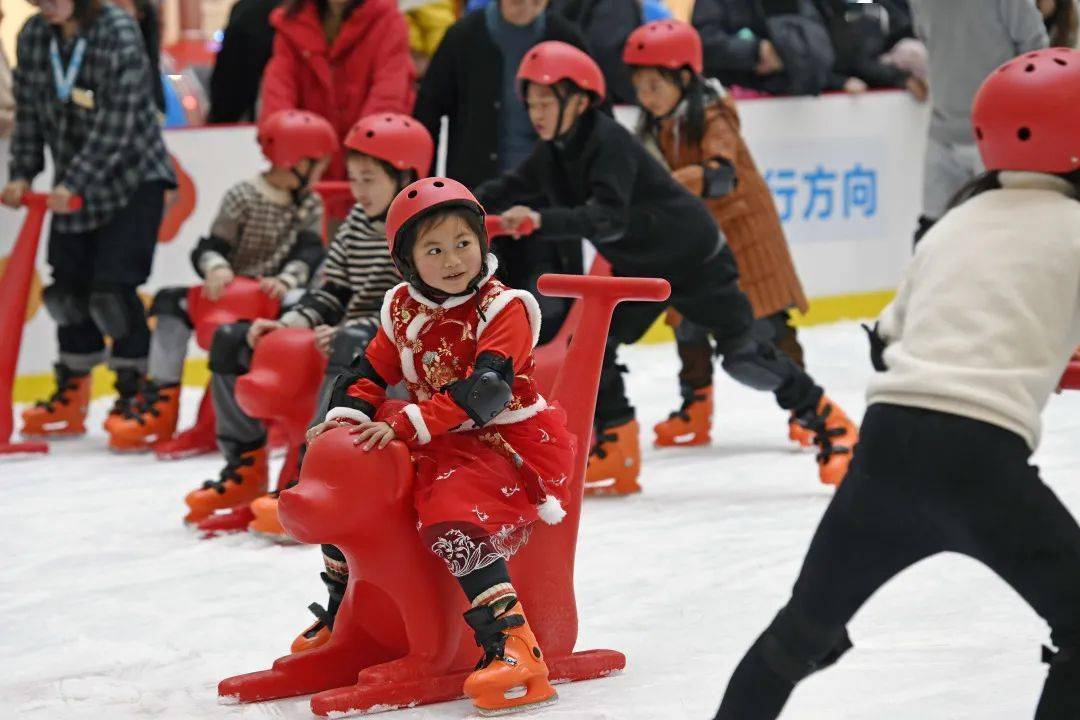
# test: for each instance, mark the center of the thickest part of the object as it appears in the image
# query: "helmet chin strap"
(303, 179)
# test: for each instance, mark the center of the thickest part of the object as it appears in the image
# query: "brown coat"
(747, 215)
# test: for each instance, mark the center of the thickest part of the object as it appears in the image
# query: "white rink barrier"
(846, 173)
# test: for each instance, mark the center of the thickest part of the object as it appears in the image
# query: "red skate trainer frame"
(14, 294)
(399, 639)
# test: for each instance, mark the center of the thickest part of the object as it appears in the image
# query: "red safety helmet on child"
(552, 61)
(397, 139)
(670, 44)
(420, 198)
(288, 136)
(1026, 114)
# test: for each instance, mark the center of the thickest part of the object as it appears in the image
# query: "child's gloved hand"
(373, 434)
(216, 281)
(261, 327)
(325, 426)
(273, 287)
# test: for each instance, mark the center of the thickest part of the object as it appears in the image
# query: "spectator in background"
(238, 68)
(428, 21)
(774, 46)
(341, 59)
(965, 40)
(7, 96)
(471, 80)
(605, 25)
(862, 33)
(1060, 18)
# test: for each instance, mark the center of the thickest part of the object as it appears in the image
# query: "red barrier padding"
(399, 638)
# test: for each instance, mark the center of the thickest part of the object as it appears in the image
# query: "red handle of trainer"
(622, 288)
(496, 227)
(32, 200)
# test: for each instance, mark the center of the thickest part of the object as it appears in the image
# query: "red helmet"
(670, 44)
(1026, 115)
(289, 136)
(552, 61)
(420, 198)
(397, 139)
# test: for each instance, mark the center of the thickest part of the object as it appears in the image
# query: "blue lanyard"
(65, 79)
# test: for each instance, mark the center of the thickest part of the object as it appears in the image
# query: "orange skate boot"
(318, 633)
(266, 521)
(615, 461)
(512, 676)
(689, 425)
(798, 434)
(835, 435)
(152, 417)
(244, 478)
(64, 413)
(127, 385)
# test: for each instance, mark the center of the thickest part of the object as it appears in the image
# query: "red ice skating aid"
(337, 201)
(199, 439)
(14, 292)
(1070, 379)
(495, 227)
(399, 638)
(242, 300)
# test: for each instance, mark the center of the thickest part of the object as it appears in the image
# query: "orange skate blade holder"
(399, 639)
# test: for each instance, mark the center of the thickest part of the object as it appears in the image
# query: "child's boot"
(318, 633)
(512, 676)
(244, 478)
(64, 413)
(152, 417)
(615, 460)
(691, 423)
(835, 435)
(266, 522)
(128, 381)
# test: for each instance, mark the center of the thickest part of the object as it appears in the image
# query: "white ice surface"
(110, 609)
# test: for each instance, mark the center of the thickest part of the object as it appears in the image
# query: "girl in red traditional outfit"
(491, 456)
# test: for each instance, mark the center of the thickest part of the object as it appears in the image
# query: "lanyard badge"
(64, 79)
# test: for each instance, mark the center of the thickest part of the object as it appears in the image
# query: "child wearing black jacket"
(604, 186)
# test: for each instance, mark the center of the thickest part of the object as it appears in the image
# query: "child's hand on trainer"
(216, 281)
(261, 327)
(325, 426)
(324, 336)
(373, 434)
(273, 287)
(515, 219)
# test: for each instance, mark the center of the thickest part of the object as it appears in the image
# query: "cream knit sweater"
(988, 313)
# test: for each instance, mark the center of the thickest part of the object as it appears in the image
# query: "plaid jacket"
(102, 153)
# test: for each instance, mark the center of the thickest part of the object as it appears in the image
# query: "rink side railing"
(845, 173)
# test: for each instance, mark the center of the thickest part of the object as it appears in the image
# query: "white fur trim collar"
(453, 302)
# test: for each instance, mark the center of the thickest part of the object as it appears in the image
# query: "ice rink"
(110, 608)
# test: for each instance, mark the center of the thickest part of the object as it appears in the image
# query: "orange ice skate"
(689, 425)
(318, 633)
(512, 676)
(152, 417)
(835, 435)
(64, 413)
(615, 461)
(243, 479)
(266, 521)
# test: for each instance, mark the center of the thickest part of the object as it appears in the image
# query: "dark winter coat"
(860, 34)
(732, 31)
(605, 24)
(464, 82)
(603, 185)
(367, 70)
(238, 69)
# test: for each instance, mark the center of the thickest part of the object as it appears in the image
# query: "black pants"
(696, 349)
(708, 296)
(922, 482)
(115, 257)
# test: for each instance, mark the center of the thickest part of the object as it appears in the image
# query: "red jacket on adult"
(367, 70)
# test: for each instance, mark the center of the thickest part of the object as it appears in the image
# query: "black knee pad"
(65, 306)
(347, 345)
(759, 365)
(116, 310)
(794, 648)
(171, 301)
(230, 353)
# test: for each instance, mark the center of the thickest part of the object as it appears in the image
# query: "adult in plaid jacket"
(82, 89)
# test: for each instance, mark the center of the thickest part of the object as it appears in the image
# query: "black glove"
(719, 181)
(877, 347)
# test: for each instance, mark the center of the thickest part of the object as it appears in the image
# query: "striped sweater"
(354, 279)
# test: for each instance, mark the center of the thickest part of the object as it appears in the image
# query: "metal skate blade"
(514, 710)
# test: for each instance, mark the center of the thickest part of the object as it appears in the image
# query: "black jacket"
(860, 34)
(238, 69)
(731, 33)
(604, 186)
(464, 82)
(606, 24)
